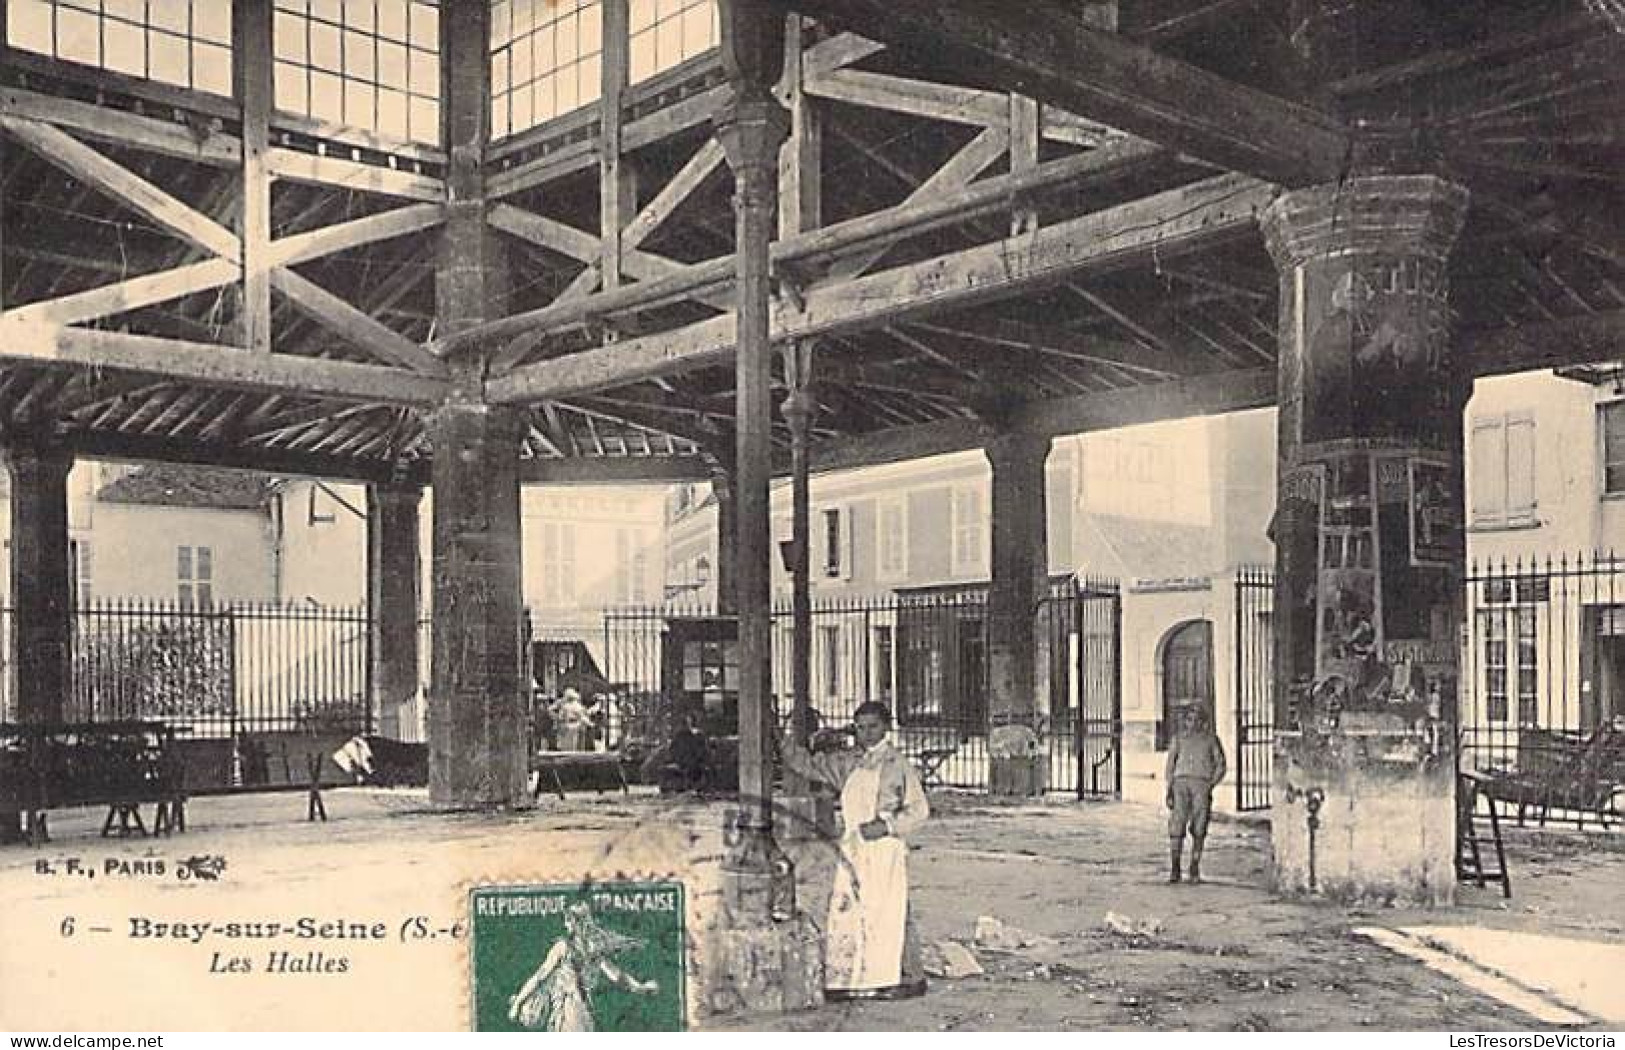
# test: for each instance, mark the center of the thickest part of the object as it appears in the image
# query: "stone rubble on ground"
(951, 960)
(994, 935)
(1126, 926)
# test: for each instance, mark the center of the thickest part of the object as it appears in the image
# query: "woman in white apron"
(882, 802)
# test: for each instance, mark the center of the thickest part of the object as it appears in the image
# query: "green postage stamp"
(605, 957)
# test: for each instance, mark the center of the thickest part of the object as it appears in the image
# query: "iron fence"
(923, 653)
(216, 671)
(1541, 695)
(1254, 687)
(1543, 672)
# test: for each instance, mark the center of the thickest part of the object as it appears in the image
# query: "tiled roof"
(175, 486)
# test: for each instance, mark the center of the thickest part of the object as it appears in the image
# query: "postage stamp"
(582, 957)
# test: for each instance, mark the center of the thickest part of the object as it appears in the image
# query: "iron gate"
(1093, 638)
(1255, 703)
(924, 653)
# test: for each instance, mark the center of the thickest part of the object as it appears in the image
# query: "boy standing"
(1195, 764)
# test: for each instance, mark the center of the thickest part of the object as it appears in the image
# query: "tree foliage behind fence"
(175, 668)
(215, 670)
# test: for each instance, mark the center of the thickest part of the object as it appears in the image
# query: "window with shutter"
(1502, 463)
(830, 637)
(558, 563)
(969, 535)
(891, 539)
(183, 576)
(1613, 447)
(1520, 508)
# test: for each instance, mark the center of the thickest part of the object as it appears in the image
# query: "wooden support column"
(478, 747)
(1026, 133)
(1020, 574)
(767, 957)
(1369, 542)
(394, 568)
(750, 128)
(252, 56)
(617, 178)
(41, 579)
(801, 195)
(800, 209)
(478, 754)
(722, 490)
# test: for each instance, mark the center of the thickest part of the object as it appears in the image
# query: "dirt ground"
(1225, 955)
(1229, 956)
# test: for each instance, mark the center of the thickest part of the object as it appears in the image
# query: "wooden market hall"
(478, 244)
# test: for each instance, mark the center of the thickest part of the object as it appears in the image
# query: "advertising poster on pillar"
(1296, 532)
(1435, 514)
(1373, 348)
(1350, 619)
(1384, 637)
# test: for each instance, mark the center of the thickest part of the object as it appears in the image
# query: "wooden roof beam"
(354, 324)
(208, 364)
(1544, 344)
(140, 448)
(1044, 50)
(992, 194)
(123, 185)
(1168, 222)
(1079, 346)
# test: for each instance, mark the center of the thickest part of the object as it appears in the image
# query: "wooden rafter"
(164, 285)
(1154, 362)
(214, 365)
(958, 171)
(576, 243)
(945, 103)
(211, 147)
(123, 185)
(1168, 222)
(813, 248)
(355, 325)
(1047, 52)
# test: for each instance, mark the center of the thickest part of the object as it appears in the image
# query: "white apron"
(869, 904)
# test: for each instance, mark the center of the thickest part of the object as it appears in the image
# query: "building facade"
(899, 557)
(1546, 518)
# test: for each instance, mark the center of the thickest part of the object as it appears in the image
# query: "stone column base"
(1364, 820)
(1026, 776)
(768, 969)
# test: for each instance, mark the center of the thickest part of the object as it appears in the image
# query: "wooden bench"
(255, 762)
(597, 769)
(929, 761)
(1560, 770)
(120, 765)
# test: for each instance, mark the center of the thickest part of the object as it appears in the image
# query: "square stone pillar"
(41, 581)
(478, 730)
(1369, 541)
(1019, 582)
(394, 568)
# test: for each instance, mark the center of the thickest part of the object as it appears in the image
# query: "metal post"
(798, 410)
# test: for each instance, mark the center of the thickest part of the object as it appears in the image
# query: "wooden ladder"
(1473, 863)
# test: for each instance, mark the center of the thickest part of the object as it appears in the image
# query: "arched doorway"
(1187, 671)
